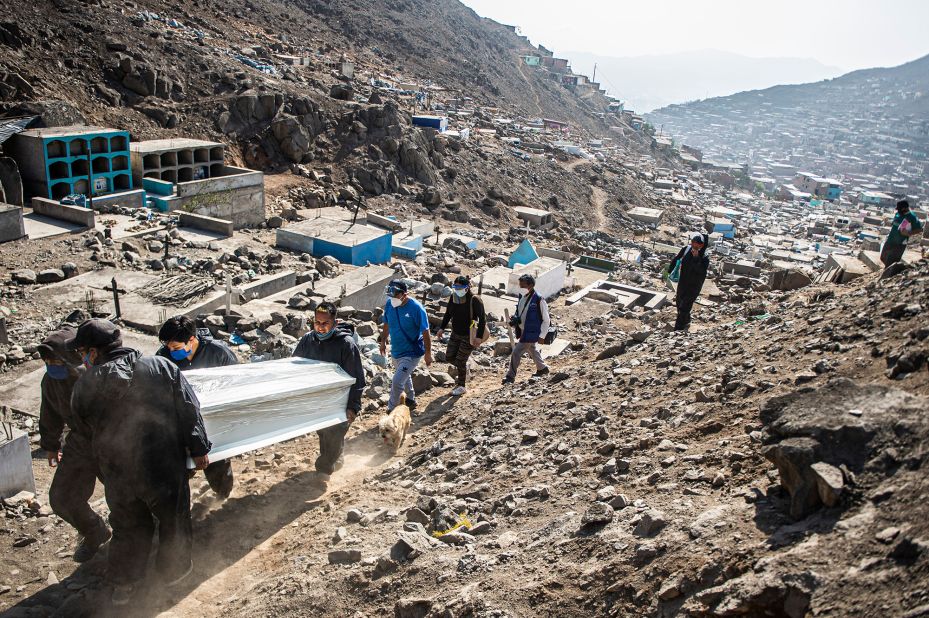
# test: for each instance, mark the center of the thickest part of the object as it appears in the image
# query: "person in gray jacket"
(67, 448)
(334, 342)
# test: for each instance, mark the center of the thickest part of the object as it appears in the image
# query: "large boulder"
(822, 440)
(788, 279)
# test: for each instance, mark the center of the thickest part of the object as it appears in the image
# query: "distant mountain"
(874, 120)
(650, 82)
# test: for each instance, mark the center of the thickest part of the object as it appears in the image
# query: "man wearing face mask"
(144, 420)
(406, 325)
(531, 323)
(77, 472)
(334, 342)
(464, 310)
(191, 348)
(693, 268)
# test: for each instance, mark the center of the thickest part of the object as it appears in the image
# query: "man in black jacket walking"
(191, 348)
(76, 473)
(464, 310)
(144, 420)
(334, 343)
(694, 266)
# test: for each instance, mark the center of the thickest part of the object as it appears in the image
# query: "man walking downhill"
(333, 342)
(144, 420)
(904, 225)
(531, 323)
(694, 266)
(191, 348)
(406, 325)
(464, 311)
(77, 472)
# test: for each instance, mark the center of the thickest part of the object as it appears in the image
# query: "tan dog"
(393, 426)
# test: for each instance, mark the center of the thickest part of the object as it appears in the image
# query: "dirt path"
(598, 199)
(364, 459)
(535, 95)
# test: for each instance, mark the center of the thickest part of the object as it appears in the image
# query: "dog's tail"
(402, 401)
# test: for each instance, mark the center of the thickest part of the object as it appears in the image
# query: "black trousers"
(684, 306)
(133, 514)
(219, 475)
(331, 443)
(892, 253)
(73, 485)
(457, 354)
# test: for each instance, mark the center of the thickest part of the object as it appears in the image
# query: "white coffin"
(250, 406)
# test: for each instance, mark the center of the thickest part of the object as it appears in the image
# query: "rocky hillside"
(174, 65)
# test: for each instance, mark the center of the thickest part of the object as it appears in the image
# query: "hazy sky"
(849, 34)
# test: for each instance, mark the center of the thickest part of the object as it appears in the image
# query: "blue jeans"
(403, 380)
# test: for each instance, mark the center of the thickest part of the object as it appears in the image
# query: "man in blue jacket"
(143, 420)
(531, 322)
(334, 342)
(191, 348)
(406, 326)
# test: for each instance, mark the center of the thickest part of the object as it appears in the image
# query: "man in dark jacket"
(74, 480)
(464, 310)
(144, 420)
(334, 343)
(694, 266)
(191, 348)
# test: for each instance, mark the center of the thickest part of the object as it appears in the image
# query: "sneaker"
(459, 391)
(508, 380)
(411, 404)
(544, 371)
(122, 594)
(88, 547)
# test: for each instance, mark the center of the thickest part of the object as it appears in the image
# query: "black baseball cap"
(698, 238)
(94, 333)
(397, 287)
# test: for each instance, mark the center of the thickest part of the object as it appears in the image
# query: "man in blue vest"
(407, 326)
(531, 323)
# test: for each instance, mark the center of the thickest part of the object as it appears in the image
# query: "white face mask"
(396, 302)
(460, 293)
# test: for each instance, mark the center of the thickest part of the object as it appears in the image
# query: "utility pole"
(594, 78)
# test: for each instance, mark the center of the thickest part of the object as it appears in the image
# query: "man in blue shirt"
(407, 326)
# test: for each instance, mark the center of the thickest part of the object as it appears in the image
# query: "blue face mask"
(179, 355)
(323, 336)
(57, 372)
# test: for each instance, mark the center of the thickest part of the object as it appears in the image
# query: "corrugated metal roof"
(11, 126)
